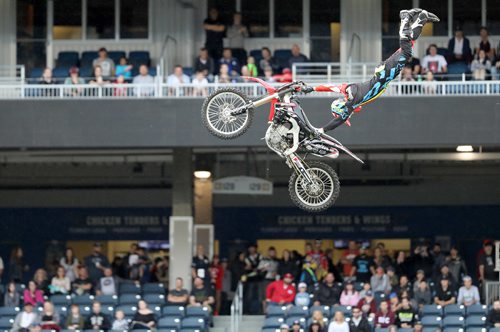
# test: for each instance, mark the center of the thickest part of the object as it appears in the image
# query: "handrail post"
(329, 73)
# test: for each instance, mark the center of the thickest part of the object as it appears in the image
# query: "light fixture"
(465, 148)
(203, 175)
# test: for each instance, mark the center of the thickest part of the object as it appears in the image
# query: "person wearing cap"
(444, 273)
(328, 292)
(302, 298)
(284, 328)
(368, 304)
(363, 266)
(394, 303)
(445, 295)
(27, 320)
(468, 294)
(281, 292)
(422, 296)
(487, 263)
(420, 276)
(384, 317)
(358, 322)
(107, 65)
(96, 263)
(74, 79)
(380, 281)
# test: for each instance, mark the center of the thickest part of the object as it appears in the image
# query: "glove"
(306, 89)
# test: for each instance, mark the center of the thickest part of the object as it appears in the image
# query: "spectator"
(253, 278)
(414, 64)
(177, 77)
(159, 271)
(144, 317)
(302, 298)
(418, 279)
(308, 274)
(285, 77)
(124, 68)
(237, 268)
(268, 75)
(468, 294)
(315, 326)
(108, 284)
(338, 323)
(439, 259)
(459, 48)
(358, 323)
(200, 265)
(11, 298)
(26, 321)
(205, 64)
(98, 78)
(384, 318)
(252, 67)
(69, 262)
(445, 295)
(179, 295)
(120, 90)
(214, 33)
(60, 283)
(145, 79)
(17, 267)
(83, 284)
(407, 74)
(75, 320)
(380, 281)
(49, 318)
(331, 267)
(366, 287)
(231, 62)
(296, 56)
(224, 76)
(268, 61)
(201, 295)
(317, 316)
(401, 263)
(445, 274)
(269, 268)
(281, 292)
(422, 296)
(487, 264)
(97, 320)
(406, 317)
(394, 302)
(485, 44)
(403, 285)
(493, 319)
(434, 63)
(107, 65)
(33, 295)
(74, 79)
(287, 264)
(367, 304)
(96, 263)
(429, 85)
(495, 66)
(120, 323)
(393, 278)
(296, 327)
(363, 266)
(47, 77)
(348, 257)
(349, 296)
(456, 264)
(328, 292)
(380, 257)
(284, 328)
(216, 275)
(236, 33)
(480, 66)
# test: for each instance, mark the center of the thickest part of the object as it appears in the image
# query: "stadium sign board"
(243, 185)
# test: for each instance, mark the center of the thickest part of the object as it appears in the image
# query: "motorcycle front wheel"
(216, 113)
(321, 194)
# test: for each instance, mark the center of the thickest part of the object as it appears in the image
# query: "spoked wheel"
(319, 195)
(216, 113)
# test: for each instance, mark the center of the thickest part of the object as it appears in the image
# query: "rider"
(358, 94)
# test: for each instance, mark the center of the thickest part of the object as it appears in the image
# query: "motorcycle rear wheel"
(319, 196)
(216, 117)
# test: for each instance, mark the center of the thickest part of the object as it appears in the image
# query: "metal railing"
(237, 308)
(491, 291)
(12, 74)
(327, 72)
(163, 90)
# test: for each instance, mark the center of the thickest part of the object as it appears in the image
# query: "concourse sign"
(243, 185)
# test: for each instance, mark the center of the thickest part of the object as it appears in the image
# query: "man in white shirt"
(26, 321)
(468, 294)
(178, 77)
(434, 62)
(146, 79)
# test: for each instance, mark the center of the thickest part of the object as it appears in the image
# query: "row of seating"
(72, 58)
(411, 330)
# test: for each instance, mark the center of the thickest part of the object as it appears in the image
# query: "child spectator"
(200, 83)
(11, 297)
(120, 89)
(120, 323)
(429, 86)
(75, 320)
(124, 68)
(302, 298)
(268, 75)
(480, 66)
(252, 67)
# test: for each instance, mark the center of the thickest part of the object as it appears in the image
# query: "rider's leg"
(422, 18)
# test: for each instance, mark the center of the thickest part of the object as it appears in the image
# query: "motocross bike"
(313, 186)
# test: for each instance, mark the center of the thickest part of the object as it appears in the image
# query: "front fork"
(299, 166)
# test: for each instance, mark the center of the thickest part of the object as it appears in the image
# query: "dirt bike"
(313, 186)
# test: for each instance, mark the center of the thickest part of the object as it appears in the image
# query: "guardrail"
(12, 74)
(323, 72)
(162, 90)
(237, 308)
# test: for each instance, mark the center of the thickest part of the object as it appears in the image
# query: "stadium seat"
(197, 312)
(129, 299)
(116, 55)
(257, 54)
(476, 310)
(453, 321)
(158, 330)
(9, 311)
(310, 320)
(380, 329)
(108, 310)
(169, 323)
(86, 71)
(153, 288)
(152, 71)
(454, 309)
(325, 310)
(61, 300)
(429, 329)
(276, 311)
(401, 329)
(128, 310)
(432, 310)
(154, 299)
(85, 310)
(453, 329)
(61, 310)
(173, 311)
(494, 329)
(137, 58)
(358, 285)
(21, 287)
(379, 297)
(240, 54)
(455, 71)
(273, 322)
(189, 71)
(6, 323)
(83, 300)
(298, 311)
(193, 323)
(129, 288)
(477, 329)
(431, 321)
(346, 310)
(107, 299)
(281, 56)
(475, 321)
(269, 330)
(190, 330)
(289, 321)
(87, 58)
(67, 59)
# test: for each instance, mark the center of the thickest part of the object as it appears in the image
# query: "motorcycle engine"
(276, 137)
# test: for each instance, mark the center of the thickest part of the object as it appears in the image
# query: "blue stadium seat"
(129, 299)
(190, 330)
(453, 321)
(273, 322)
(454, 309)
(193, 323)
(2, 288)
(189, 71)
(85, 310)
(401, 329)
(173, 311)
(494, 329)
(432, 310)
(291, 319)
(325, 310)
(116, 55)
(83, 300)
(281, 56)
(431, 321)
(455, 70)
(128, 310)
(9, 311)
(346, 310)
(61, 300)
(476, 310)
(276, 311)
(269, 330)
(475, 321)
(379, 297)
(137, 58)
(67, 59)
(380, 329)
(21, 287)
(298, 311)
(35, 73)
(453, 329)
(108, 310)
(154, 299)
(429, 329)
(61, 310)
(129, 288)
(152, 71)
(240, 54)
(107, 299)
(160, 330)
(358, 285)
(477, 329)
(169, 323)
(6, 323)
(88, 57)
(86, 71)
(197, 312)
(153, 288)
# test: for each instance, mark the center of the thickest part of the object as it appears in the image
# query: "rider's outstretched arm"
(337, 121)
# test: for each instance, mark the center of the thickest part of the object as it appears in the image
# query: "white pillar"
(8, 32)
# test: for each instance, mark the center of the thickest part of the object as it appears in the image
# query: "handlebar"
(294, 83)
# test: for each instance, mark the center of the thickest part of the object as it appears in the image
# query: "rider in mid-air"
(358, 94)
